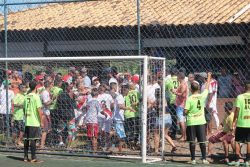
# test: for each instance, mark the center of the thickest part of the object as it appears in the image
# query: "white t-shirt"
(45, 97)
(118, 113)
(105, 101)
(3, 101)
(213, 88)
(151, 91)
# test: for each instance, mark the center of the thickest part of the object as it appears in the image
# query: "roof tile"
(123, 13)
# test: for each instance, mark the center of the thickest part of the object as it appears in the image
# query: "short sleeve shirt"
(31, 104)
(195, 105)
(18, 111)
(171, 84)
(243, 103)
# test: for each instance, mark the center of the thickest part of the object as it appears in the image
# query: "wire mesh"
(193, 36)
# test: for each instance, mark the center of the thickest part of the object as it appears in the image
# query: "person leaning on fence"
(241, 124)
(46, 102)
(33, 117)
(226, 135)
(5, 112)
(18, 116)
(118, 118)
(93, 110)
(196, 122)
(181, 97)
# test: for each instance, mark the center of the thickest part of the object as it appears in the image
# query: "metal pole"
(89, 58)
(6, 67)
(144, 112)
(139, 27)
(163, 109)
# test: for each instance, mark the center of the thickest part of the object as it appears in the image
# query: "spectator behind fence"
(4, 109)
(118, 117)
(225, 84)
(18, 116)
(181, 96)
(93, 110)
(46, 102)
(15, 82)
(66, 114)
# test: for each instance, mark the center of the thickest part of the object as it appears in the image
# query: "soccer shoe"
(204, 161)
(26, 159)
(193, 162)
(247, 164)
(61, 144)
(36, 161)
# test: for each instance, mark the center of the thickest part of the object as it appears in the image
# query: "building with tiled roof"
(123, 13)
(191, 28)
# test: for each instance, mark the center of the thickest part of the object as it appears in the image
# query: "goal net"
(100, 106)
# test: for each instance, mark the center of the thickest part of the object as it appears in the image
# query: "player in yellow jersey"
(241, 124)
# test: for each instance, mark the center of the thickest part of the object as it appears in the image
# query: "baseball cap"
(135, 78)
(9, 72)
(228, 105)
(203, 74)
(95, 78)
(39, 77)
(84, 70)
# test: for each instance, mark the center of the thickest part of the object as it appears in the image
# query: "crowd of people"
(108, 107)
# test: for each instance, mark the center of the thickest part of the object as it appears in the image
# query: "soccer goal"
(127, 122)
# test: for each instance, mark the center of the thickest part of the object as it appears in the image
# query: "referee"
(33, 116)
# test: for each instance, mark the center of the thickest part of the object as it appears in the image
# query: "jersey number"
(199, 104)
(247, 104)
(132, 98)
(175, 84)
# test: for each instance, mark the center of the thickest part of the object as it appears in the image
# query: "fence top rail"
(88, 58)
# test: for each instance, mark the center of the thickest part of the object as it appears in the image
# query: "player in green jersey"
(241, 124)
(33, 116)
(171, 85)
(196, 122)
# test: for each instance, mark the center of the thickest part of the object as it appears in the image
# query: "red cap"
(135, 78)
(8, 71)
(39, 77)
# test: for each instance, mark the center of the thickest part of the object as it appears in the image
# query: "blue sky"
(15, 8)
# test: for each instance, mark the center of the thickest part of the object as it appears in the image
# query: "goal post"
(144, 127)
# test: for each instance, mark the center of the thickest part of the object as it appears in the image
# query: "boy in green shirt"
(241, 124)
(33, 117)
(196, 122)
(17, 119)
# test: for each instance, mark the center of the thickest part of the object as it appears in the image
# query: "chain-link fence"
(194, 36)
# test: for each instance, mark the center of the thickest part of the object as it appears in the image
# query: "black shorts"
(152, 117)
(242, 135)
(196, 131)
(208, 114)
(18, 126)
(32, 133)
